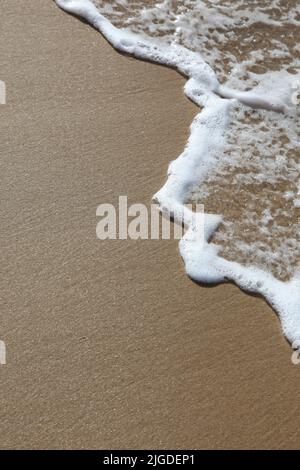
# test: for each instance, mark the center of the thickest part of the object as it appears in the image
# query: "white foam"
(202, 260)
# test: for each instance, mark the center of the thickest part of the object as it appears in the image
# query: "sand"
(109, 344)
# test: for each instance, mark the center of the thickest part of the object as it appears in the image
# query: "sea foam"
(240, 87)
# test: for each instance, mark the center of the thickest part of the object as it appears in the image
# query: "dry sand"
(109, 344)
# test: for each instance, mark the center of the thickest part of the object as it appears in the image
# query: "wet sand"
(109, 344)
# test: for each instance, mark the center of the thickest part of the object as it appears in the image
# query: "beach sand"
(109, 344)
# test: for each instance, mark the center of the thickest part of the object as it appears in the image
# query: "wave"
(246, 133)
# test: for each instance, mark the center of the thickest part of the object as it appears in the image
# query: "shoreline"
(106, 341)
(202, 261)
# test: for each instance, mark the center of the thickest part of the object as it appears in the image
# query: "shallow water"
(255, 183)
(241, 158)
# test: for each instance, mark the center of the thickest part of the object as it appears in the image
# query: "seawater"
(241, 60)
